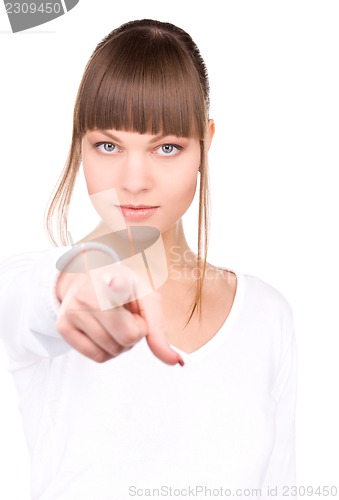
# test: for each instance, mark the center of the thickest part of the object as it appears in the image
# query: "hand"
(104, 334)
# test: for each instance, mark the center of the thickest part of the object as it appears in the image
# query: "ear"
(210, 133)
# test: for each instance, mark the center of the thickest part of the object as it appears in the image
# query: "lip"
(137, 212)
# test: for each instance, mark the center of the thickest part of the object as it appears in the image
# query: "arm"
(281, 469)
(44, 313)
(29, 307)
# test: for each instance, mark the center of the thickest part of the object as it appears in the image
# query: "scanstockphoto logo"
(25, 15)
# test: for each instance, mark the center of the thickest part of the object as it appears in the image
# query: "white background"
(274, 78)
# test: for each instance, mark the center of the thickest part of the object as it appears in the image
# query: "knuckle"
(72, 315)
(131, 336)
(62, 325)
(82, 296)
(68, 335)
(114, 349)
(101, 357)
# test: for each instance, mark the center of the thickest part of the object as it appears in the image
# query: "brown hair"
(144, 76)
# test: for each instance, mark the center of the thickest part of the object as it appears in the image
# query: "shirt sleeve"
(281, 471)
(29, 306)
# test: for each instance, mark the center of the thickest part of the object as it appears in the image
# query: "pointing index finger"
(151, 310)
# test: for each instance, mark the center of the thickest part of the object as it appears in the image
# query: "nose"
(135, 174)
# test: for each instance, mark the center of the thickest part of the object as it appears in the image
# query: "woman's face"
(140, 179)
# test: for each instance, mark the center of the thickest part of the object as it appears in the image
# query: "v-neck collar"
(226, 328)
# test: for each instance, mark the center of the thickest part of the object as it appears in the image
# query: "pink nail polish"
(181, 362)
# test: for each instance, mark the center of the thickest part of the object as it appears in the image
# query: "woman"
(144, 370)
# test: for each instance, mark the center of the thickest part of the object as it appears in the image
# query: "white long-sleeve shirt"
(222, 425)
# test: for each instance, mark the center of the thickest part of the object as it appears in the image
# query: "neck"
(176, 247)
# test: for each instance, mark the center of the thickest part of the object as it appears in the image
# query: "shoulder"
(265, 316)
(263, 296)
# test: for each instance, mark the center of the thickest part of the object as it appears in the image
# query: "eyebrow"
(115, 138)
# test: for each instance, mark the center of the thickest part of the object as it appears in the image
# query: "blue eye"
(109, 147)
(169, 149)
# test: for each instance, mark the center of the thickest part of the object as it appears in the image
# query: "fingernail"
(181, 362)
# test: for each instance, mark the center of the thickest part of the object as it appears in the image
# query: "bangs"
(148, 85)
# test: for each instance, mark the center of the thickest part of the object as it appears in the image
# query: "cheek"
(183, 186)
(189, 192)
(88, 170)
(89, 178)
(96, 178)
(187, 187)
(179, 193)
